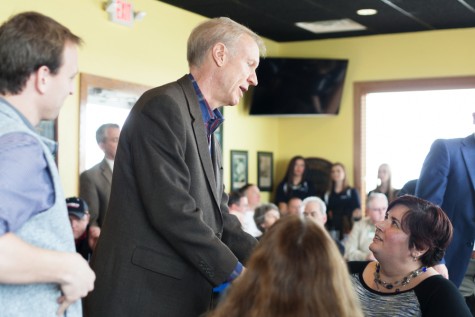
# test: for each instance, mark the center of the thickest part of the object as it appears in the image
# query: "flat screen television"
(298, 86)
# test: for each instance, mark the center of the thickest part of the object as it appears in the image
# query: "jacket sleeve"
(432, 181)
(240, 242)
(88, 192)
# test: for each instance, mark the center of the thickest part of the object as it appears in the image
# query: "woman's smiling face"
(390, 240)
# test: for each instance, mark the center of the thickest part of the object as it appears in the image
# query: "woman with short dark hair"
(412, 239)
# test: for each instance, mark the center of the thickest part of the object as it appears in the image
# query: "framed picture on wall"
(238, 169)
(265, 171)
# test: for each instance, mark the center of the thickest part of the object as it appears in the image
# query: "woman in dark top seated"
(402, 282)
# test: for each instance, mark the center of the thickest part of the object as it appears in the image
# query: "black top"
(303, 190)
(82, 245)
(434, 297)
(340, 208)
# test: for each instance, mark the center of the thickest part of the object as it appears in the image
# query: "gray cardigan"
(49, 229)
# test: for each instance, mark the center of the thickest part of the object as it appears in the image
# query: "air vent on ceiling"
(331, 26)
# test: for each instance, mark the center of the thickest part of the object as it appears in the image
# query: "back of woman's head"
(297, 271)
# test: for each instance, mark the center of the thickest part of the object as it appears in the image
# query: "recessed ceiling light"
(366, 12)
(331, 26)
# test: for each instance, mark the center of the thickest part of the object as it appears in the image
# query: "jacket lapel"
(106, 171)
(468, 152)
(199, 133)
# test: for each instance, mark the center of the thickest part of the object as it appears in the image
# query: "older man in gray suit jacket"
(168, 238)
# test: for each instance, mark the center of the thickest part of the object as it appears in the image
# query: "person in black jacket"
(79, 217)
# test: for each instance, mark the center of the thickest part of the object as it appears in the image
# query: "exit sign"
(121, 12)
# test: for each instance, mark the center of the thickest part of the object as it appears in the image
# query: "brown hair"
(289, 174)
(28, 41)
(427, 226)
(296, 271)
(331, 185)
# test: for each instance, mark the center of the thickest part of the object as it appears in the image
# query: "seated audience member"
(409, 188)
(295, 271)
(237, 204)
(385, 186)
(294, 184)
(253, 195)
(314, 208)
(407, 244)
(79, 217)
(265, 216)
(343, 203)
(362, 234)
(293, 206)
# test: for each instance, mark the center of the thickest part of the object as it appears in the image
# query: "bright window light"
(401, 126)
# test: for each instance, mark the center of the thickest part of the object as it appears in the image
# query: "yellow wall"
(153, 52)
(411, 55)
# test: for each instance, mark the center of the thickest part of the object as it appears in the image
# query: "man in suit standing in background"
(95, 183)
(448, 179)
(168, 238)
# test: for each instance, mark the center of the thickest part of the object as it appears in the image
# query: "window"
(397, 121)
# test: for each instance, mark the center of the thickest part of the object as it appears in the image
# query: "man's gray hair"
(217, 30)
(315, 199)
(101, 131)
(373, 196)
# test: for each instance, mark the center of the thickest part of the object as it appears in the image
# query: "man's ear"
(219, 52)
(42, 76)
(102, 146)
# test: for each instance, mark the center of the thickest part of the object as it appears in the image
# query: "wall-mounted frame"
(265, 168)
(103, 100)
(239, 163)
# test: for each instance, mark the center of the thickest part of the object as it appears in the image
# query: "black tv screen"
(298, 86)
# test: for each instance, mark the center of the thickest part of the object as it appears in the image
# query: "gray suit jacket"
(168, 237)
(95, 188)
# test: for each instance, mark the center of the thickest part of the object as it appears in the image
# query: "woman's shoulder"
(440, 297)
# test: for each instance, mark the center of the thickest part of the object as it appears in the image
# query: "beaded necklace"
(403, 282)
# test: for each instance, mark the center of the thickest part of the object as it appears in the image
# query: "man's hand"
(78, 280)
(94, 233)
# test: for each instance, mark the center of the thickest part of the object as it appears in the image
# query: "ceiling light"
(367, 12)
(331, 26)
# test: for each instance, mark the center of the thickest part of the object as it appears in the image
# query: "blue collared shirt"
(212, 118)
(26, 187)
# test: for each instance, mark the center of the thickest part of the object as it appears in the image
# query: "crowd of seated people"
(389, 260)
